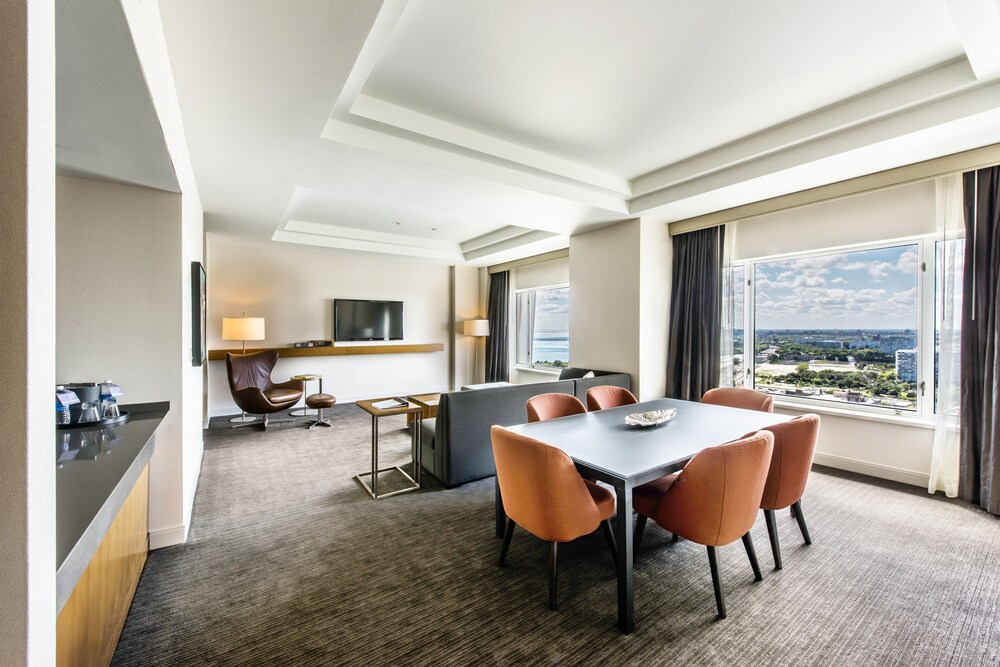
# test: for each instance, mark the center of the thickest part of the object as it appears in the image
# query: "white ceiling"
(506, 125)
(106, 126)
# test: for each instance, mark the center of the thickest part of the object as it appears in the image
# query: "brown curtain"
(694, 350)
(979, 471)
(497, 311)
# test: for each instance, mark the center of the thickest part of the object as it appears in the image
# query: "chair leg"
(553, 555)
(508, 533)
(640, 526)
(800, 517)
(752, 555)
(713, 562)
(265, 421)
(610, 536)
(772, 533)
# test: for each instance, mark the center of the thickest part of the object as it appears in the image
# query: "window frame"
(531, 333)
(926, 267)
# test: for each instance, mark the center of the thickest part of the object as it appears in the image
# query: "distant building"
(906, 365)
(829, 343)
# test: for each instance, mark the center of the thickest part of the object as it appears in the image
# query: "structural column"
(27, 329)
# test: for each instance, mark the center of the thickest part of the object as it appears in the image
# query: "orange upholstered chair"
(738, 397)
(550, 406)
(608, 396)
(713, 501)
(791, 461)
(544, 494)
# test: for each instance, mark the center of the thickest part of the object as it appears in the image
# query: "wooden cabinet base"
(90, 623)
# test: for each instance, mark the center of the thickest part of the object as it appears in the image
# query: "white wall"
(27, 306)
(655, 257)
(292, 287)
(120, 310)
(604, 272)
(467, 350)
(143, 17)
(887, 449)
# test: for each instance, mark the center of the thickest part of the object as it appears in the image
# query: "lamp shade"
(242, 328)
(476, 327)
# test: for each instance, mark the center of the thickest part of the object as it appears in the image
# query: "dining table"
(605, 448)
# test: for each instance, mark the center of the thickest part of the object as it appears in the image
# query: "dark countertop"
(96, 468)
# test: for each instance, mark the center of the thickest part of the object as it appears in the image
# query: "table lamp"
(243, 329)
(477, 329)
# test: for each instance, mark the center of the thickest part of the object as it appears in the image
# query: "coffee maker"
(98, 401)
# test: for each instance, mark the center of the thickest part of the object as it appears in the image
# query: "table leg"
(375, 456)
(417, 444)
(623, 543)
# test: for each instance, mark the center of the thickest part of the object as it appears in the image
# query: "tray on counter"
(120, 419)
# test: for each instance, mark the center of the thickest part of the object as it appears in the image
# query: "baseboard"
(902, 475)
(167, 537)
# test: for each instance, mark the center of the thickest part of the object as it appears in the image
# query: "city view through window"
(840, 327)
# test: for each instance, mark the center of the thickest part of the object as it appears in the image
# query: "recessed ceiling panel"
(632, 85)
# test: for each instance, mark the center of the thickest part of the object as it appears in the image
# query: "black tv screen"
(354, 319)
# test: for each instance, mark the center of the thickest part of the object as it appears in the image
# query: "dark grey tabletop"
(96, 468)
(602, 441)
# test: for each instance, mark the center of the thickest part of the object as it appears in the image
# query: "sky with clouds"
(552, 312)
(868, 289)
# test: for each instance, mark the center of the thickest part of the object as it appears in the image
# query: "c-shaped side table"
(306, 378)
(409, 407)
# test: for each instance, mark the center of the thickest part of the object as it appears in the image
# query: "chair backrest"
(541, 488)
(550, 406)
(714, 501)
(738, 397)
(608, 396)
(791, 460)
(251, 370)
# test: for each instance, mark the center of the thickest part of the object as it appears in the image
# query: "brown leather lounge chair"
(738, 397)
(791, 461)
(250, 381)
(713, 501)
(609, 396)
(550, 406)
(544, 494)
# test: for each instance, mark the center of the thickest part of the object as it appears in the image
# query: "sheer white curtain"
(948, 317)
(726, 367)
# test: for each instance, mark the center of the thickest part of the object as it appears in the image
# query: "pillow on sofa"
(587, 375)
(571, 373)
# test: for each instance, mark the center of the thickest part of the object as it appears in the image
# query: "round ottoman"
(320, 402)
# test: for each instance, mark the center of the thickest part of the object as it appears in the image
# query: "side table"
(429, 403)
(306, 412)
(407, 408)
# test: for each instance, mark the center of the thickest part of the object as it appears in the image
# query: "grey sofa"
(456, 445)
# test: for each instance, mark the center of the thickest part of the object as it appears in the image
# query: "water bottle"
(62, 412)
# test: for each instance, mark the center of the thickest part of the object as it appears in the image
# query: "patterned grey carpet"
(289, 562)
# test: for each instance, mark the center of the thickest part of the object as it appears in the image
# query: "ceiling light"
(396, 224)
(434, 229)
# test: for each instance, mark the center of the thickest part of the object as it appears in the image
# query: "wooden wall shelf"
(335, 350)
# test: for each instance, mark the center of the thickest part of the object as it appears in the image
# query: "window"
(542, 327)
(852, 327)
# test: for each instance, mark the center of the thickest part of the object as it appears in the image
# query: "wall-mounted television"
(356, 319)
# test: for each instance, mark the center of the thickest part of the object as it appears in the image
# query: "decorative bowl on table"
(651, 418)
